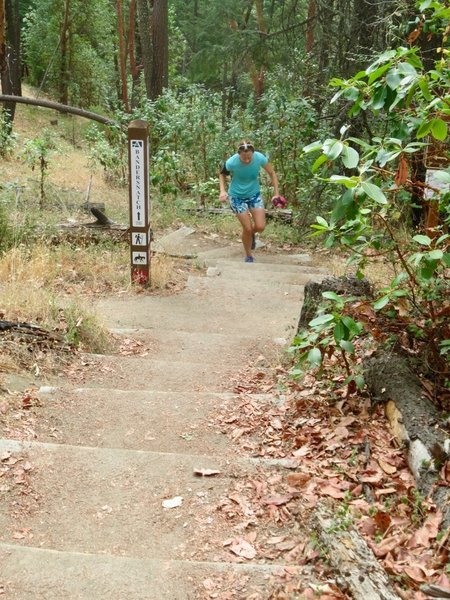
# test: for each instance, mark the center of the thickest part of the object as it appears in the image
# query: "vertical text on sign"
(138, 200)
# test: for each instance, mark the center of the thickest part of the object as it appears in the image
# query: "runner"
(244, 191)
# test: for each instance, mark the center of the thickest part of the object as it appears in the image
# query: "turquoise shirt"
(245, 178)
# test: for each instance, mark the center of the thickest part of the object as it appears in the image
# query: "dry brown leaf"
(387, 467)
(298, 480)
(385, 491)
(383, 521)
(380, 550)
(416, 573)
(333, 491)
(278, 500)
(428, 532)
(302, 451)
(241, 548)
(206, 472)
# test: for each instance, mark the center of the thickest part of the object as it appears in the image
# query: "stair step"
(109, 501)
(205, 348)
(189, 313)
(144, 373)
(263, 264)
(131, 419)
(38, 574)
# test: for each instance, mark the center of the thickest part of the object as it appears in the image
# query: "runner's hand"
(223, 197)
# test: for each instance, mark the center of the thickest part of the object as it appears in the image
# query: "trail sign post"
(138, 159)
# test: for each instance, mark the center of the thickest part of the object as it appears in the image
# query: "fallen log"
(29, 329)
(101, 222)
(415, 421)
(358, 571)
(63, 108)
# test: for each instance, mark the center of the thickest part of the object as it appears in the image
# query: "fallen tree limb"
(101, 222)
(358, 571)
(414, 420)
(28, 328)
(59, 107)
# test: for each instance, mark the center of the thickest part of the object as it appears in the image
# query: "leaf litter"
(328, 450)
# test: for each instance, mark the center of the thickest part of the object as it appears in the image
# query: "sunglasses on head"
(245, 147)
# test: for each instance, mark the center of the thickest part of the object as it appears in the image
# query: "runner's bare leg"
(247, 231)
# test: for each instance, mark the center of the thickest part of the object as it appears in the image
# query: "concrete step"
(206, 348)
(264, 263)
(145, 373)
(38, 574)
(190, 312)
(235, 252)
(131, 419)
(226, 283)
(248, 276)
(109, 501)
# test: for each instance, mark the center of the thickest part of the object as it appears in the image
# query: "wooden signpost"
(138, 155)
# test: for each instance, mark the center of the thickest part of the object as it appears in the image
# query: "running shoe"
(249, 259)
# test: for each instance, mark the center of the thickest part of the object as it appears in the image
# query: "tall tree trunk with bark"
(132, 51)
(146, 43)
(310, 25)
(259, 69)
(64, 66)
(2, 36)
(122, 56)
(160, 37)
(10, 62)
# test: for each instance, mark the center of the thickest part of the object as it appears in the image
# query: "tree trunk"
(416, 423)
(133, 52)
(64, 44)
(2, 36)
(11, 71)
(146, 43)
(310, 25)
(160, 37)
(122, 56)
(259, 70)
(358, 570)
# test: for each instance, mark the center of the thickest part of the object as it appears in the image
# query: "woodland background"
(350, 99)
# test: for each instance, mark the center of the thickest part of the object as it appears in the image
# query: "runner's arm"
(222, 184)
(273, 178)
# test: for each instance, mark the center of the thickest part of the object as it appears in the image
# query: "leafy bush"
(188, 141)
(380, 185)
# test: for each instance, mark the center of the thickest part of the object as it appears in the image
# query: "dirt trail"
(119, 505)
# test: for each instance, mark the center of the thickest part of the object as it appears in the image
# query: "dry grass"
(65, 269)
(34, 278)
(378, 272)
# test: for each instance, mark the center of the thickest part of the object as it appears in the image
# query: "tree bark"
(2, 36)
(358, 570)
(160, 37)
(10, 67)
(259, 70)
(64, 45)
(415, 422)
(146, 43)
(122, 56)
(310, 25)
(57, 106)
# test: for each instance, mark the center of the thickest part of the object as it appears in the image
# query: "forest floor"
(188, 462)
